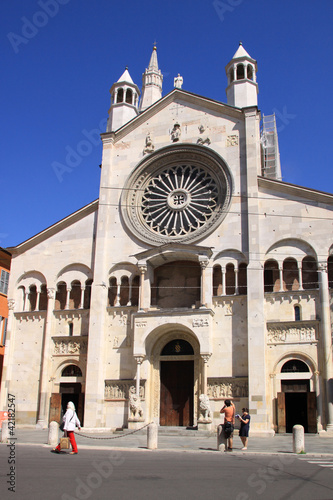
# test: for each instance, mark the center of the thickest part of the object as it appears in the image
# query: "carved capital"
(51, 293)
(142, 268)
(206, 357)
(322, 267)
(139, 359)
(11, 304)
(203, 261)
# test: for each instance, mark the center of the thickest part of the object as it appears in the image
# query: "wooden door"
(55, 408)
(177, 383)
(312, 411)
(281, 412)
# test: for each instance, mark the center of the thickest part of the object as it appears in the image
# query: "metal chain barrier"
(113, 437)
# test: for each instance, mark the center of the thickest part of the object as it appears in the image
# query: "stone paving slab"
(280, 443)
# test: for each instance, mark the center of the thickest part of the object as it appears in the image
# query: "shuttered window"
(4, 282)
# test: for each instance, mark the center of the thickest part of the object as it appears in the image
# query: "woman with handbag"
(70, 421)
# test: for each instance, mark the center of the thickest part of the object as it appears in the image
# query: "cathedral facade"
(197, 276)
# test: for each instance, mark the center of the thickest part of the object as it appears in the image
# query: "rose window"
(179, 200)
(176, 194)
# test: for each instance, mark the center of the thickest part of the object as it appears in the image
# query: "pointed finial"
(240, 43)
(126, 67)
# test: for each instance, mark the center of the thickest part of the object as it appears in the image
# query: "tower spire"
(151, 82)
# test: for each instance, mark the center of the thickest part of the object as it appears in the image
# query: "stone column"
(118, 294)
(81, 306)
(300, 277)
(130, 282)
(326, 343)
(203, 263)
(25, 300)
(223, 281)
(143, 270)
(68, 291)
(43, 392)
(205, 358)
(319, 400)
(281, 278)
(37, 300)
(139, 360)
(236, 281)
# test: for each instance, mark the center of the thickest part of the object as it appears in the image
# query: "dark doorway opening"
(296, 403)
(71, 391)
(296, 410)
(177, 388)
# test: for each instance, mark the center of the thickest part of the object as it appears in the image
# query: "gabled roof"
(54, 229)
(172, 96)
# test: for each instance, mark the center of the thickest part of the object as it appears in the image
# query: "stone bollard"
(4, 431)
(152, 436)
(298, 439)
(53, 433)
(222, 442)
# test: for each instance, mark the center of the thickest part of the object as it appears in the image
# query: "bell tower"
(152, 80)
(124, 102)
(242, 90)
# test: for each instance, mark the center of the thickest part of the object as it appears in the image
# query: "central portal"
(177, 387)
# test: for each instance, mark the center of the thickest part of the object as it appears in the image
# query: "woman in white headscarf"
(70, 420)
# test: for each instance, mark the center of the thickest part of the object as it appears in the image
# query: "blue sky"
(60, 58)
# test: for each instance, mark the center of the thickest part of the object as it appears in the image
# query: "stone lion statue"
(204, 405)
(135, 406)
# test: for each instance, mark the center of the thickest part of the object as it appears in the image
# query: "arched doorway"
(177, 384)
(296, 403)
(70, 389)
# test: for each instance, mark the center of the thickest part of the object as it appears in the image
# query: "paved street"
(97, 473)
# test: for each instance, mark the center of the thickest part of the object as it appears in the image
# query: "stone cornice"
(293, 189)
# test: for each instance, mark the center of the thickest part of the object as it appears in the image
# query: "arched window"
(61, 294)
(295, 366)
(75, 295)
(297, 313)
(129, 96)
(120, 95)
(71, 371)
(309, 273)
(231, 75)
(112, 291)
(242, 279)
(43, 298)
(124, 291)
(290, 274)
(271, 276)
(87, 294)
(32, 298)
(240, 72)
(249, 72)
(177, 347)
(217, 280)
(135, 291)
(330, 271)
(70, 329)
(230, 279)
